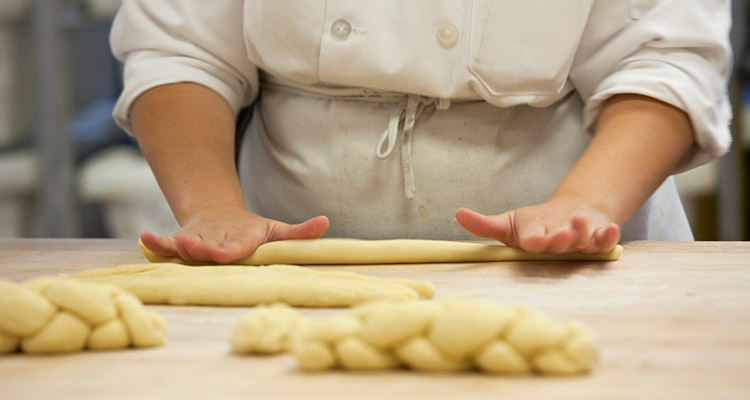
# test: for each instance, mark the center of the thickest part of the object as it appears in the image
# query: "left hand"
(560, 225)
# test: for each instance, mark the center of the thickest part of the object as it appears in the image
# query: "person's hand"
(226, 235)
(561, 225)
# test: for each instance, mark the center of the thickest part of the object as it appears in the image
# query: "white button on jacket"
(341, 29)
(448, 34)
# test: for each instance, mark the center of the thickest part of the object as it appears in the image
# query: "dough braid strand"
(445, 335)
(62, 315)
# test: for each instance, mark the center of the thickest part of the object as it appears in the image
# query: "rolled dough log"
(164, 283)
(62, 315)
(332, 251)
(445, 335)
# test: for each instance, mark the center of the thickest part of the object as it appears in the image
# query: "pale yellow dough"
(399, 251)
(266, 330)
(444, 335)
(63, 315)
(165, 283)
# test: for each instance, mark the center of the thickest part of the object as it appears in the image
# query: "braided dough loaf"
(63, 315)
(332, 251)
(445, 335)
(243, 286)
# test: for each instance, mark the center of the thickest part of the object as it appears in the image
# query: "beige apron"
(388, 165)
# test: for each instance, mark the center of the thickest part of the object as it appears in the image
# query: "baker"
(550, 126)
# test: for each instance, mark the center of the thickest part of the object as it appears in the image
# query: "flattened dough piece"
(165, 283)
(332, 251)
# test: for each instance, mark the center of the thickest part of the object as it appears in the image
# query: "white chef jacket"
(490, 101)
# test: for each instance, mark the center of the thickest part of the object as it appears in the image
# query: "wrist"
(598, 201)
(197, 207)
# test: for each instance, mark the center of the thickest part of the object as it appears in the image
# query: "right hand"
(225, 235)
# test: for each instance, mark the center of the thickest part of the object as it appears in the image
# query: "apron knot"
(402, 122)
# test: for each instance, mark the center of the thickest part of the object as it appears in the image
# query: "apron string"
(408, 112)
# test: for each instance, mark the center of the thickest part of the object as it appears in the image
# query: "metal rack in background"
(75, 74)
(55, 149)
(733, 206)
(733, 199)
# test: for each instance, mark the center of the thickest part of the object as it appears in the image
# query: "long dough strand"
(444, 335)
(62, 315)
(164, 283)
(399, 251)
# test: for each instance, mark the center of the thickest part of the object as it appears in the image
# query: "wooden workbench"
(673, 321)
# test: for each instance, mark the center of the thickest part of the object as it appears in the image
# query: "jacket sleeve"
(170, 41)
(676, 51)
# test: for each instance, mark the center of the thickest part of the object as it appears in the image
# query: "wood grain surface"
(673, 321)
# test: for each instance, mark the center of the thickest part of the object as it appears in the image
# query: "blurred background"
(66, 170)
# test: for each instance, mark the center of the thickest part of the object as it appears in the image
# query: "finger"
(235, 246)
(213, 247)
(606, 238)
(163, 246)
(561, 241)
(532, 237)
(583, 231)
(494, 227)
(192, 248)
(313, 228)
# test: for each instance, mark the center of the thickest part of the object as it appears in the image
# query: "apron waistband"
(409, 108)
